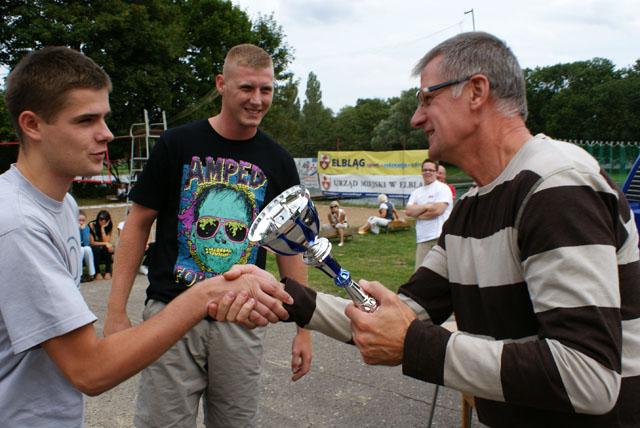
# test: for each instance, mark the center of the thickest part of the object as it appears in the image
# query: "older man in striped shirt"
(539, 263)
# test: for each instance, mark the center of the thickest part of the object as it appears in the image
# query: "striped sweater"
(541, 270)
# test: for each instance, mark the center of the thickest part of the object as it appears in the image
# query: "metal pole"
(432, 411)
(473, 18)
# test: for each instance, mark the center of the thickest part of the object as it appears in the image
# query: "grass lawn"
(387, 258)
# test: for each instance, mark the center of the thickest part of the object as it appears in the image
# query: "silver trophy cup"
(289, 225)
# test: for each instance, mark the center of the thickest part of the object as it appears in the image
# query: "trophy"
(289, 225)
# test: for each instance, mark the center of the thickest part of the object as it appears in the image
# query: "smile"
(217, 252)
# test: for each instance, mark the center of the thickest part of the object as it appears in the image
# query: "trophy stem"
(319, 255)
(362, 300)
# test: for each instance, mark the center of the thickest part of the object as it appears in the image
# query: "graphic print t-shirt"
(208, 190)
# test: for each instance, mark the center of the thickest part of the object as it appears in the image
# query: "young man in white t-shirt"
(430, 205)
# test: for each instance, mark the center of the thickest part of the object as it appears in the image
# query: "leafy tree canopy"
(355, 125)
(317, 122)
(584, 100)
(8, 154)
(161, 55)
(395, 132)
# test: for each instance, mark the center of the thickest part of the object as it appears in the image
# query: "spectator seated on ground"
(387, 213)
(338, 224)
(85, 248)
(100, 238)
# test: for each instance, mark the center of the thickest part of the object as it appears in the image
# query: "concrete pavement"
(340, 390)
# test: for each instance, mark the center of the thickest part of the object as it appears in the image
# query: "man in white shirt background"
(430, 205)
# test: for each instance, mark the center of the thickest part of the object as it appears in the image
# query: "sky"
(367, 48)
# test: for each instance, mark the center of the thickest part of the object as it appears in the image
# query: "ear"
(220, 83)
(480, 88)
(31, 125)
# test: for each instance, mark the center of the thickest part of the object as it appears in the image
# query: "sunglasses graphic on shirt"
(208, 226)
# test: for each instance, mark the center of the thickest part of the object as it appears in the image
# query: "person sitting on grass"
(387, 213)
(101, 245)
(85, 248)
(338, 220)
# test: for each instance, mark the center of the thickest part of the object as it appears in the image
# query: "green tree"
(6, 127)
(8, 153)
(138, 44)
(354, 125)
(616, 108)
(582, 100)
(395, 132)
(161, 55)
(283, 120)
(316, 125)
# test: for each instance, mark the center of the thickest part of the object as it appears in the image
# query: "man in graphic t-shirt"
(204, 183)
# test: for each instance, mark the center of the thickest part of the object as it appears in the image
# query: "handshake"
(253, 298)
(258, 300)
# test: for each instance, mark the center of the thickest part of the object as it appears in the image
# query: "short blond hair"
(247, 55)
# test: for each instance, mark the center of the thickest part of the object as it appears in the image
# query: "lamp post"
(473, 18)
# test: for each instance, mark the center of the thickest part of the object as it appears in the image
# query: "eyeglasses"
(429, 170)
(425, 96)
(208, 226)
(103, 218)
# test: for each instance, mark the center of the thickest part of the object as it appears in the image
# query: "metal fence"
(616, 157)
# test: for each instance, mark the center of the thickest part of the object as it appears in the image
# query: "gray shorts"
(422, 249)
(218, 361)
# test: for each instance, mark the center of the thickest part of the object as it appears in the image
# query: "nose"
(104, 133)
(419, 118)
(255, 97)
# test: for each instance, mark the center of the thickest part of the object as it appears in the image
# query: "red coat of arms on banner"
(326, 182)
(325, 159)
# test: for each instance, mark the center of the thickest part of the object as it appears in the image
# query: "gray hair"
(382, 198)
(472, 53)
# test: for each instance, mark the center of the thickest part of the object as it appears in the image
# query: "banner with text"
(308, 172)
(362, 173)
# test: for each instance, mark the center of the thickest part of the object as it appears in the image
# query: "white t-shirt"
(39, 275)
(426, 230)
